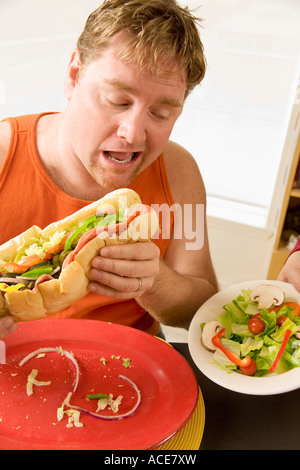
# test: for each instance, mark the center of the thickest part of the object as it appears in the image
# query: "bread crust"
(54, 295)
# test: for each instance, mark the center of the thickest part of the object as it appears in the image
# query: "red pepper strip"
(11, 267)
(52, 251)
(296, 306)
(281, 350)
(111, 229)
(32, 260)
(55, 249)
(216, 340)
(28, 262)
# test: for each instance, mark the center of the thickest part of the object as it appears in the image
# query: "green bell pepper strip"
(96, 396)
(83, 226)
(36, 273)
(41, 265)
(116, 228)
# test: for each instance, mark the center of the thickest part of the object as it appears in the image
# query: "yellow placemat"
(190, 436)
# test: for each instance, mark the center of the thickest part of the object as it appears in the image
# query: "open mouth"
(120, 157)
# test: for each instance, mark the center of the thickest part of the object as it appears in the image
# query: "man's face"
(119, 119)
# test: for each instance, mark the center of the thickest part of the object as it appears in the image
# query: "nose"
(132, 128)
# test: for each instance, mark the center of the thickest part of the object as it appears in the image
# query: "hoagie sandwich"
(45, 271)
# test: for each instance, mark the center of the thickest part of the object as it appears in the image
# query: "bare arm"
(4, 140)
(186, 276)
(176, 297)
(7, 324)
(173, 288)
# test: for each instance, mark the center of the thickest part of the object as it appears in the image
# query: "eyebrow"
(122, 85)
(129, 89)
(172, 102)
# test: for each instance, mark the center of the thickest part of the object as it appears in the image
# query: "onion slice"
(57, 350)
(66, 402)
(13, 280)
(108, 417)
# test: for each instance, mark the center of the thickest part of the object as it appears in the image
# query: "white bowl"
(269, 385)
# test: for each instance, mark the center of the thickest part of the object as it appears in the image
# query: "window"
(235, 123)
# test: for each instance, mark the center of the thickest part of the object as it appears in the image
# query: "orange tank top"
(29, 197)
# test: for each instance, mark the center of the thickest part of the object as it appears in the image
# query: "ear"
(72, 74)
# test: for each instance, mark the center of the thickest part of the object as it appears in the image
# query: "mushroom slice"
(209, 331)
(267, 295)
(297, 334)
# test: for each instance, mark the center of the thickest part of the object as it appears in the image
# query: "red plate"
(167, 383)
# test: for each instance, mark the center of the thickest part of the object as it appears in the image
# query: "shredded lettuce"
(73, 415)
(37, 246)
(73, 418)
(109, 401)
(31, 380)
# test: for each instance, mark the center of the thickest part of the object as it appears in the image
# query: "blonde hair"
(160, 31)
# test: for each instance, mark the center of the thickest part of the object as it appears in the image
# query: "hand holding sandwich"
(45, 271)
(125, 271)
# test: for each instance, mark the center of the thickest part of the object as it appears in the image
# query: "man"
(134, 65)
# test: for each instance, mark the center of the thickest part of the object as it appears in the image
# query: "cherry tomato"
(280, 320)
(249, 370)
(256, 325)
(257, 315)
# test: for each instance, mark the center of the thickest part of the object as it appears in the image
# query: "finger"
(131, 269)
(140, 250)
(120, 283)
(117, 287)
(106, 291)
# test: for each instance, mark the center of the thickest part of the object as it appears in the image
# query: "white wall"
(242, 126)
(235, 122)
(36, 41)
(239, 252)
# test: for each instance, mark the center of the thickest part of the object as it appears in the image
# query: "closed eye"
(116, 105)
(159, 116)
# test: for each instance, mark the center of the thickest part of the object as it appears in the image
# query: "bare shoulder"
(184, 175)
(5, 133)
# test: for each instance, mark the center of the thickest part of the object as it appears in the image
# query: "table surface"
(235, 421)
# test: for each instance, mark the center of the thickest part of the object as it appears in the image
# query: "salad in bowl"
(247, 337)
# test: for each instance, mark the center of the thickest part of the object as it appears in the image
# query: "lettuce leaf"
(249, 345)
(286, 325)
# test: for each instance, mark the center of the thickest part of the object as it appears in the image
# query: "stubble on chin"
(114, 179)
